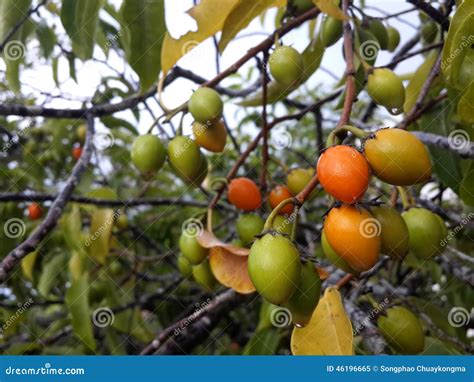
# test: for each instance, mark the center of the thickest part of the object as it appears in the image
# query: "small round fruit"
(191, 249)
(398, 157)
(298, 178)
(205, 105)
(386, 89)
(184, 266)
(425, 232)
(76, 152)
(210, 136)
(277, 195)
(393, 38)
(244, 194)
(369, 46)
(148, 154)
(185, 157)
(248, 226)
(203, 275)
(274, 268)
(286, 65)
(333, 257)
(331, 31)
(352, 233)
(122, 221)
(395, 239)
(306, 297)
(380, 33)
(429, 32)
(343, 173)
(34, 211)
(81, 133)
(402, 330)
(283, 224)
(301, 6)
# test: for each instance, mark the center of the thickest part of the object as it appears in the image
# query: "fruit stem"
(209, 220)
(361, 134)
(404, 197)
(269, 222)
(219, 182)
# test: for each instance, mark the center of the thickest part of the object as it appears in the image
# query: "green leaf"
(458, 42)
(144, 27)
(55, 70)
(446, 164)
(47, 39)
(102, 222)
(466, 191)
(77, 300)
(28, 264)
(210, 16)
(241, 16)
(466, 105)
(49, 275)
(80, 19)
(264, 342)
(113, 122)
(11, 12)
(330, 8)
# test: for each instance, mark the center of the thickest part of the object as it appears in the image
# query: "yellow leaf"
(328, 333)
(242, 15)
(330, 8)
(210, 16)
(466, 105)
(27, 265)
(102, 223)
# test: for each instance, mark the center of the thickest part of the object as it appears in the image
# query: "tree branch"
(464, 150)
(436, 15)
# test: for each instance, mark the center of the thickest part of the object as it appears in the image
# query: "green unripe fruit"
(395, 239)
(333, 257)
(283, 224)
(402, 330)
(306, 297)
(298, 178)
(393, 38)
(386, 89)
(425, 231)
(184, 266)
(81, 133)
(203, 275)
(274, 268)
(378, 30)
(122, 221)
(148, 154)
(429, 32)
(191, 249)
(248, 226)
(301, 6)
(202, 171)
(185, 158)
(331, 31)
(286, 65)
(369, 46)
(205, 105)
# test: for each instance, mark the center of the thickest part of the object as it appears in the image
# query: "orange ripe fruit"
(355, 235)
(244, 194)
(76, 152)
(277, 195)
(34, 211)
(343, 173)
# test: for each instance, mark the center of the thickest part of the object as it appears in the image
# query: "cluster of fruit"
(184, 154)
